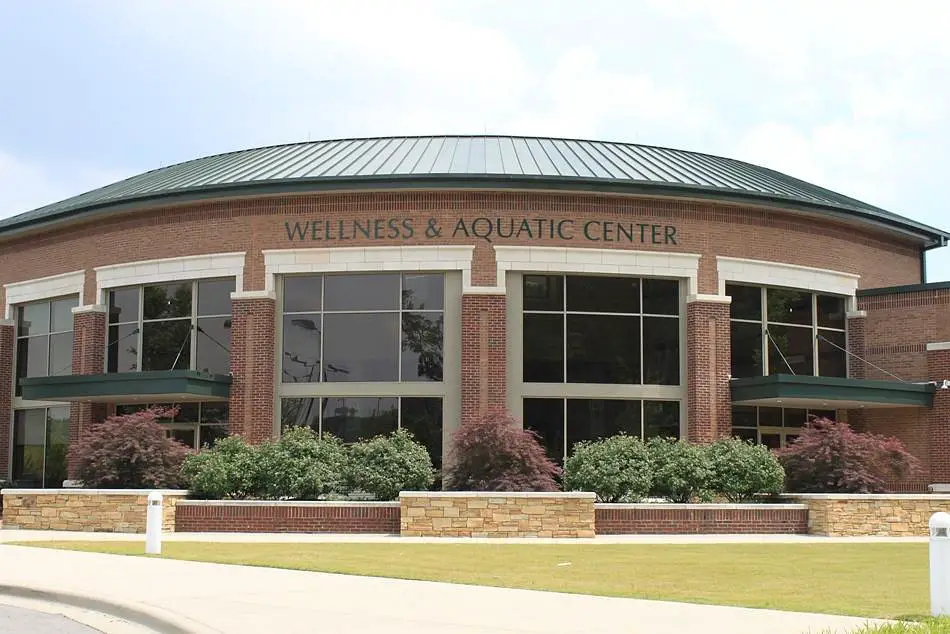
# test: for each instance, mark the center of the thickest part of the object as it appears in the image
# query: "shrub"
(385, 465)
(130, 452)
(494, 453)
(681, 470)
(301, 466)
(830, 457)
(740, 470)
(231, 468)
(617, 469)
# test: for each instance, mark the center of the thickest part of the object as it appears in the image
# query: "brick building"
(361, 285)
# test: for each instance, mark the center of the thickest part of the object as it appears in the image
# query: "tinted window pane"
(33, 319)
(788, 307)
(591, 419)
(300, 358)
(57, 446)
(124, 305)
(831, 312)
(362, 292)
(593, 294)
(603, 349)
(213, 345)
(214, 297)
(743, 416)
(794, 417)
(353, 419)
(300, 412)
(661, 419)
(770, 417)
(61, 354)
(62, 314)
(422, 347)
(422, 417)
(423, 292)
(661, 351)
(543, 292)
(31, 356)
(830, 414)
(750, 435)
(187, 413)
(746, 349)
(832, 361)
(29, 435)
(746, 302)
(303, 294)
(361, 347)
(543, 348)
(796, 345)
(545, 417)
(772, 441)
(209, 434)
(165, 341)
(661, 297)
(165, 301)
(122, 353)
(214, 413)
(184, 436)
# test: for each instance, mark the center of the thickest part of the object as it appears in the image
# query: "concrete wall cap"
(285, 503)
(701, 507)
(575, 495)
(130, 492)
(858, 497)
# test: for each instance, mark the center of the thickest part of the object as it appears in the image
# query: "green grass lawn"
(873, 580)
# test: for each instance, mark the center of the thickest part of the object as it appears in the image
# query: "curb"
(147, 617)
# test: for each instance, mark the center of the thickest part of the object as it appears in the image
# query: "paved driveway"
(15, 620)
(199, 597)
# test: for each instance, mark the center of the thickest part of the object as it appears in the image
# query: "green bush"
(301, 466)
(681, 470)
(229, 469)
(617, 469)
(385, 465)
(740, 470)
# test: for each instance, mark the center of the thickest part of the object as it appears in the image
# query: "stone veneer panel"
(496, 514)
(884, 515)
(91, 510)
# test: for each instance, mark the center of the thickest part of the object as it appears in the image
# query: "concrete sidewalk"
(205, 598)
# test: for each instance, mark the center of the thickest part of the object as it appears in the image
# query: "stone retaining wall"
(476, 514)
(253, 516)
(94, 510)
(703, 519)
(889, 515)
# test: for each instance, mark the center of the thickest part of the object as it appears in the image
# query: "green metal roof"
(129, 387)
(788, 390)
(489, 162)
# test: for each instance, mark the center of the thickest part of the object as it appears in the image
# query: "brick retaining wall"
(93, 510)
(253, 516)
(889, 515)
(709, 519)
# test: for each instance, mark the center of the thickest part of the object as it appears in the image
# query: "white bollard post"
(153, 524)
(940, 564)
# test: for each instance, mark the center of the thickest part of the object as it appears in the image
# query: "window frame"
(45, 408)
(16, 308)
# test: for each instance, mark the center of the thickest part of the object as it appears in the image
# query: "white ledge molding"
(710, 299)
(191, 267)
(940, 345)
(91, 308)
(856, 314)
(786, 275)
(43, 288)
(598, 261)
(367, 259)
(253, 295)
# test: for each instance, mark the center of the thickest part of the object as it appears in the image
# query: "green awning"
(175, 386)
(823, 392)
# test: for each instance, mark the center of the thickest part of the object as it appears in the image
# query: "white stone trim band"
(91, 308)
(856, 314)
(253, 295)
(578, 495)
(43, 288)
(191, 267)
(709, 299)
(787, 275)
(7, 322)
(941, 345)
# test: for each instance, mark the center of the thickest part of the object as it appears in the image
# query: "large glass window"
(45, 338)
(196, 425)
(774, 427)
(171, 326)
(385, 327)
(601, 330)
(562, 423)
(40, 445)
(782, 331)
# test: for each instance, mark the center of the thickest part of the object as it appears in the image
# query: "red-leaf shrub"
(830, 457)
(130, 452)
(494, 453)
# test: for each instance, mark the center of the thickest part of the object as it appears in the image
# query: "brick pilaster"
(484, 350)
(938, 418)
(253, 350)
(7, 373)
(857, 344)
(708, 364)
(89, 346)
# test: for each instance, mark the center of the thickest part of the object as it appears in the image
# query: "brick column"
(857, 344)
(89, 348)
(484, 352)
(708, 364)
(938, 418)
(7, 373)
(253, 364)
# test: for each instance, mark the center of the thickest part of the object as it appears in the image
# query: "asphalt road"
(22, 621)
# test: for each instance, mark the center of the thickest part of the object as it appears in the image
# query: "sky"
(848, 95)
